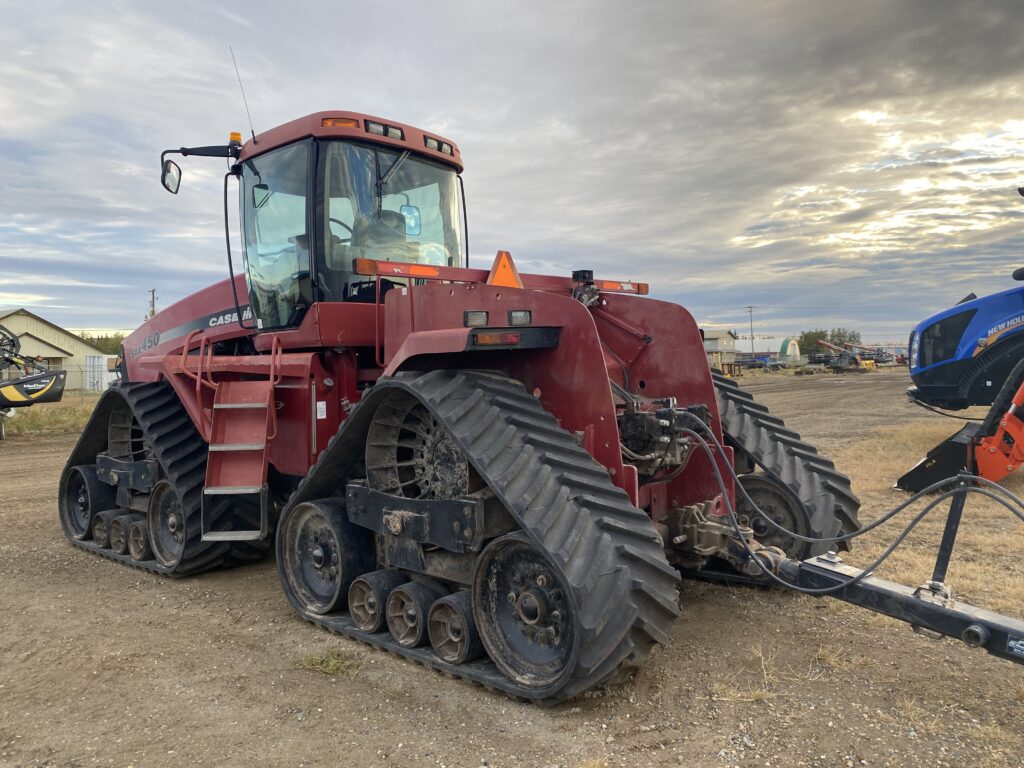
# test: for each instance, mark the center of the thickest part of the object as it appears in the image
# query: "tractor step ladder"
(243, 423)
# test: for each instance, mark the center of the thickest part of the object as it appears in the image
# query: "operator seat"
(381, 238)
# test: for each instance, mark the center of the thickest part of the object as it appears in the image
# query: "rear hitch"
(928, 614)
(931, 609)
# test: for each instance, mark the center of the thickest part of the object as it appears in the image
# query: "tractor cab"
(322, 191)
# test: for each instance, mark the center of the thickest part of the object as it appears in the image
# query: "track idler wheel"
(407, 610)
(452, 629)
(320, 553)
(119, 532)
(523, 613)
(82, 496)
(369, 594)
(101, 526)
(167, 525)
(138, 540)
(782, 507)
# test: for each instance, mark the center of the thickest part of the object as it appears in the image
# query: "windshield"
(388, 205)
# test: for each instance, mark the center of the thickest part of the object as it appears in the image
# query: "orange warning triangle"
(504, 272)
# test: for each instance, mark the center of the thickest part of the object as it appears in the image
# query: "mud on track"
(103, 665)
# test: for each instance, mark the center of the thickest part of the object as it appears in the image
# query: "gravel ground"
(104, 665)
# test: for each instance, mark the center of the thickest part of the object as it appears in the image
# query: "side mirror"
(1018, 274)
(413, 226)
(171, 176)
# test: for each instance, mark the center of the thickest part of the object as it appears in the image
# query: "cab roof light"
(446, 148)
(339, 122)
(432, 143)
(380, 129)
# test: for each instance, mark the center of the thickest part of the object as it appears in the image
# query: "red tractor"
(493, 473)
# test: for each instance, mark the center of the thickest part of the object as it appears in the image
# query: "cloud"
(831, 164)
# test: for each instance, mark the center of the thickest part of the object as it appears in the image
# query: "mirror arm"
(220, 150)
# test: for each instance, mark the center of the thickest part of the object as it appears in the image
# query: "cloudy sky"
(830, 163)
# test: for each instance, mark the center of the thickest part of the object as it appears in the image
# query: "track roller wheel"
(101, 526)
(452, 629)
(369, 594)
(779, 504)
(119, 532)
(407, 610)
(138, 541)
(522, 611)
(82, 495)
(320, 553)
(166, 517)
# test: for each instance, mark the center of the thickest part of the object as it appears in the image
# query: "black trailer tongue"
(944, 460)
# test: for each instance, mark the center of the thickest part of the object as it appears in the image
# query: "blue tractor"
(962, 356)
(970, 354)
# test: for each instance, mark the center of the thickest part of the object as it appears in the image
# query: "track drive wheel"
(82, 496)
(320, 553)
(779, 504)
(452, 629)
(522, 610)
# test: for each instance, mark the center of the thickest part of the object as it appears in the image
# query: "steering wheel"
(341, 223)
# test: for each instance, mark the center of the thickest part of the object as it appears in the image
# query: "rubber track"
(181, 453)
(830, 504)
(624, 591)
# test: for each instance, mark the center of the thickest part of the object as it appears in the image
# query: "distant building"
(790, 350)
(59, 349)
(720, 347)
(775, 347)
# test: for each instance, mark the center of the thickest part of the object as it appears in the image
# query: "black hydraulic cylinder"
(1000, 635)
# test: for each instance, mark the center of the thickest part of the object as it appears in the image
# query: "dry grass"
(986, 570)
(755, 683)
(67, 416)
(334, 662)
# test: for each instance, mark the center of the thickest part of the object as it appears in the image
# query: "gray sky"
(831, 163)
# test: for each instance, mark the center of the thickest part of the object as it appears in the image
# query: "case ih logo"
(229, 317)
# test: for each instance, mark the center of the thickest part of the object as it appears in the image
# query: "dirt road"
(103, 665)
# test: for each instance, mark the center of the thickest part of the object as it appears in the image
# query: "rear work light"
(474, 318)
(492, 339)
(520, 317)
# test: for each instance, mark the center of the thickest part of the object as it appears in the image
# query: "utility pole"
(750, 311)
(152, 302)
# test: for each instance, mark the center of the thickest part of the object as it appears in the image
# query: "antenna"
(244, 101)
